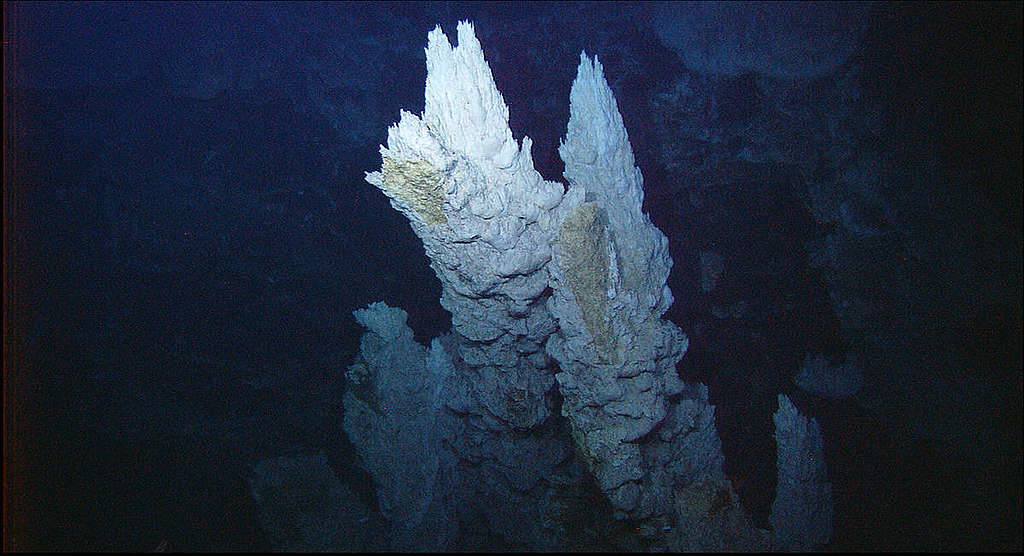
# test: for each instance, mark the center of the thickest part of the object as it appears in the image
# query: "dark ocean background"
(187, 231)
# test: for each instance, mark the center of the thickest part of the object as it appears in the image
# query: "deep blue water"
(187, 231)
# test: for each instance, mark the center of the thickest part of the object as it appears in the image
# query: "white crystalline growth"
(599, 160)
(464, 108)
(616, 354)
(801, 515)
(486, 220)
(530, 274)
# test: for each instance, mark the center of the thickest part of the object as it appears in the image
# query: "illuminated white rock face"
(487, 220)
(542, 283)
(616, 354)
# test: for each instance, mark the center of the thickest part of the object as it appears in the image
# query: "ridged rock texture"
(485, 217)
(393, 417)
(616, 354)
(543, 283)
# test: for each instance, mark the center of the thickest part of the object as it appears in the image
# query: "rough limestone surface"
(409, 414)
(532, 274)
(394, 417)
(801, 515)
(616, 354)
(486, 220)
